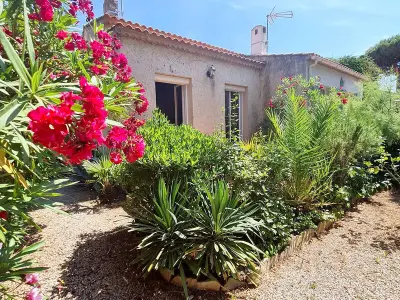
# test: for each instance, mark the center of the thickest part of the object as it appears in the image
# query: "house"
(194, 83)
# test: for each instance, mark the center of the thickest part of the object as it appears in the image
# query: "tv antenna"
(272, 16)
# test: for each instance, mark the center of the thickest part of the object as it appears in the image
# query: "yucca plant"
(164, 225)
(299, 132)
(223, 224)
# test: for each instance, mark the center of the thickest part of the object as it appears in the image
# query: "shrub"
(56, 92)
(172, 152)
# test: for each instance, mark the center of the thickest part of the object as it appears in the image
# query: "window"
(171, 98)
(233, 114)
(264, 29)
(256, 32)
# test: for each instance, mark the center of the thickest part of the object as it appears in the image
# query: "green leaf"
(15, 59)
(2, 236)
(113, 123)
(28, 37)
(23, 141)
(30, 249)
(183, 280)
(10, 112)
(83, 70)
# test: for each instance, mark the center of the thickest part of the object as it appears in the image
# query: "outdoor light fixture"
(211, 72)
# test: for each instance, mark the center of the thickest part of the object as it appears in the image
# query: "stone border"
(267, 264)
(295, 244)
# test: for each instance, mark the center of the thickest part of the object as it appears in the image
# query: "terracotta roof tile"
(136, 26)
(173, 37)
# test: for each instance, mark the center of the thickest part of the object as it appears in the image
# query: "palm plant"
(222, 227)
(299, 133)
(100, 169)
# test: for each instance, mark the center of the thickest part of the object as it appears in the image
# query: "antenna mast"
(272, 16)
(122, 9)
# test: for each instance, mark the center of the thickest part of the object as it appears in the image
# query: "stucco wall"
(278, 66)
(330, 77)
(207, 95)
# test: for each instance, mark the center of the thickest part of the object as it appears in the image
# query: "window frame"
(185, 84)
(241, 91)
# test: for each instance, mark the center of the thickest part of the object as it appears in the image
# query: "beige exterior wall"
(330, 77)
(278, 66)
(206, 96)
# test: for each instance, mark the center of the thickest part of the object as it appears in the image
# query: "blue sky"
(330, 28)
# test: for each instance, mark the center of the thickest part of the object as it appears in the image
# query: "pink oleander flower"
(115, 158)
(34, 294)
(62, 35)
(32, 278)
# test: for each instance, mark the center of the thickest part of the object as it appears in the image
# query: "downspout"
(311, 66)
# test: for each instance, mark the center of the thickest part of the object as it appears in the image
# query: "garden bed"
(294, 245)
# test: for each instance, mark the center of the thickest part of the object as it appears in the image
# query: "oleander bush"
(58, 95)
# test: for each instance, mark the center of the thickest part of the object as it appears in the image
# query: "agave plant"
(223, 224)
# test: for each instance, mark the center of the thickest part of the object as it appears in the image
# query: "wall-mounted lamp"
(211, 72)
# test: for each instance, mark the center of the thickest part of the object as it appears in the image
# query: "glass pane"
(179, 121)
(227, 113)
(232, 114)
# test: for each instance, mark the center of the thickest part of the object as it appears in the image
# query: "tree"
(386, 53)
(362, 64)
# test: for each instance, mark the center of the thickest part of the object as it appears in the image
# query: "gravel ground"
(89, 254)
(358, 259)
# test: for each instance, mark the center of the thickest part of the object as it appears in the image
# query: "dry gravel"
(358, 259)
(89, 255)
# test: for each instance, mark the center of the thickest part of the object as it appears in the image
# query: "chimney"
(259, 40)
(110, 7)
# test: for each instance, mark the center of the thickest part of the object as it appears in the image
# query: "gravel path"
(89, 254)
(358, 259)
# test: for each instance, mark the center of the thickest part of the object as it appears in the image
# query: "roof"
(326, 62)
(253, 60)
(337, 66)
(115, 21)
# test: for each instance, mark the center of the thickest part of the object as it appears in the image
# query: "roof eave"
(117, 22)
(337, 66)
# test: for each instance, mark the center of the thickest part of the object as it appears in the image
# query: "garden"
(198, 207)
